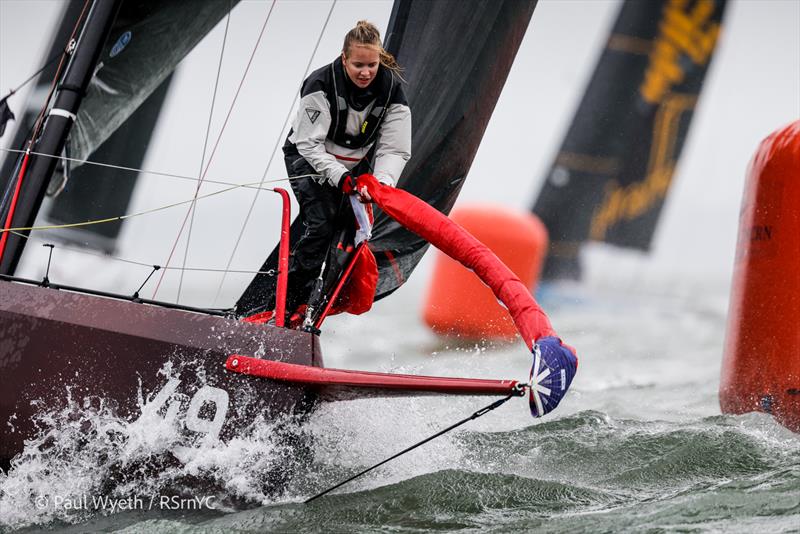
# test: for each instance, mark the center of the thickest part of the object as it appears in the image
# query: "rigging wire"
(219, 137)
(120, 217)
(145, 171)
(35, 74)
(274, 150)
(483, 411)
(192, 208)
(270, 272)
(232, 186)
(67, 50)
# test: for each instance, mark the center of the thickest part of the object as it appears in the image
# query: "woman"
(353, 118)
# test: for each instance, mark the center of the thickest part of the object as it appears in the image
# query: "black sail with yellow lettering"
(613, 171)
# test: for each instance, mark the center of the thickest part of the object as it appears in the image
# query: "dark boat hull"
(56, 343)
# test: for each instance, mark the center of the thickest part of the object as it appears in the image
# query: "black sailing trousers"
(323, 210)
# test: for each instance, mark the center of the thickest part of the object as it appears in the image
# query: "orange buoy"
(458, 303)
(761, 362)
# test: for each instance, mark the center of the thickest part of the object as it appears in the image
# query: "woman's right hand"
(347, 184)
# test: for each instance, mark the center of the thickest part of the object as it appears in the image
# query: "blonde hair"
(366, 34)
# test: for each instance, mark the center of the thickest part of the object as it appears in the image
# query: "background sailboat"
(617, 160)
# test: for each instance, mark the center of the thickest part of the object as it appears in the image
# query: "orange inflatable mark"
(761, 363)
(458, 303)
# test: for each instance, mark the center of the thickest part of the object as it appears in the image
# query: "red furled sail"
(554, 364)
(456, 242)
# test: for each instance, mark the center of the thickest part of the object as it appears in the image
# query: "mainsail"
(147, 41)
(93, 192)
(613, 171)
(456, 56)
(132, 58)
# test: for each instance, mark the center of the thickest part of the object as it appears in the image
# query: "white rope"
(274, 150)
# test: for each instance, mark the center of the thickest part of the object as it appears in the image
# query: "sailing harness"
(342, 93)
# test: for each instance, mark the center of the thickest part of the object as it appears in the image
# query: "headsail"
(617, 160)
(456, 56)
(93, 192)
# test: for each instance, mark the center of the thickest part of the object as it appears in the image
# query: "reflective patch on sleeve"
(312, 114)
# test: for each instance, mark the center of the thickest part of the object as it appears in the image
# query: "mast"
(27, 113)
(60, 118)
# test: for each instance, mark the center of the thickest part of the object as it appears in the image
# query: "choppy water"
(638, 444)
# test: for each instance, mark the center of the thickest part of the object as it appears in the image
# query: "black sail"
(456, 57)
(38, 166)
(93, 192)
(121, 109)
(147, 42)
(613, 171)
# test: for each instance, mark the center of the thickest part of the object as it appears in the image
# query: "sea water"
(638, 445)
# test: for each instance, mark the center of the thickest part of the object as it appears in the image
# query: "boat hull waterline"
(56, 344)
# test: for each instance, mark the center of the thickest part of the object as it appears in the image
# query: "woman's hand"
(363, 195)
(347, 184)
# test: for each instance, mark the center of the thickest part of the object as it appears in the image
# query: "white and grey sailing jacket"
(337, 124)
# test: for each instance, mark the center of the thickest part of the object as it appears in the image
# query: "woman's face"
(362, 64)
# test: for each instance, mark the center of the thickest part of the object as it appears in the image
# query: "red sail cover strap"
(305, 374)
(446, 235)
